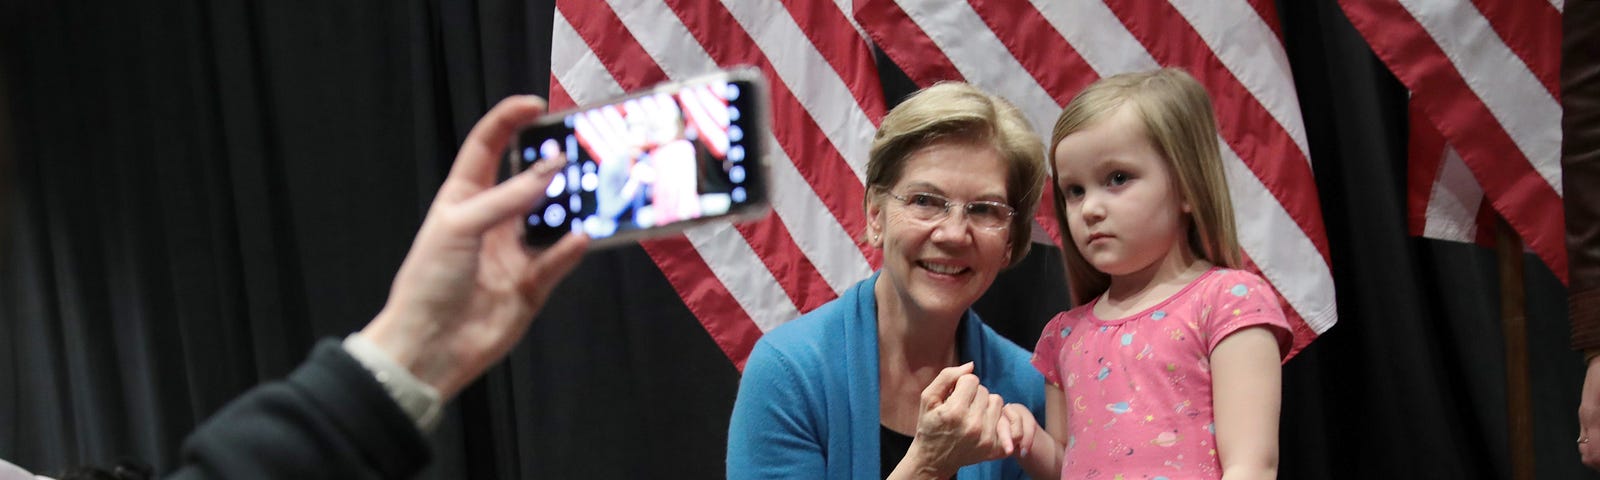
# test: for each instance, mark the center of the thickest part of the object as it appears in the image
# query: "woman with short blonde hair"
(898, 377)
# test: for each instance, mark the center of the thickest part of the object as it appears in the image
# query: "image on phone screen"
(648, 162)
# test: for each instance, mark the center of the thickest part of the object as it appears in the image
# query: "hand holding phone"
(651, 163)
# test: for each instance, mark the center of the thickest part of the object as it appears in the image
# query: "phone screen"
(649, 162)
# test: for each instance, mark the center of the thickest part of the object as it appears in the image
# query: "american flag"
(741, 281)
(1485, 111)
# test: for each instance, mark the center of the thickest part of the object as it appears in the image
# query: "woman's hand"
(959, 426)
(1589, 417)
(469, 288)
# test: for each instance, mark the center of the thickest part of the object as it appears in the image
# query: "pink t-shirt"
(1138, 389)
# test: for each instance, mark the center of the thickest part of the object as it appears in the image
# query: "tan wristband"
(419, 400)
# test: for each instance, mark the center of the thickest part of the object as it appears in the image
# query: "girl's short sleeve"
(1049, 347)
(1240, 300)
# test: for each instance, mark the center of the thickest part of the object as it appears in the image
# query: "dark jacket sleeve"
(329, 419)
(1580, 165)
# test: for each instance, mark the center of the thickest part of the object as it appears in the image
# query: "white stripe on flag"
(592, 137)
(1098, 36)
(812, 226)
(1452, 212)
(610, 119)
(814, 230)
(1285, 254)
(738, 267)
(573, 64)
(712, 132)
(1499, 78)
(1251, 51)
(849, 9)
(722, 248)
(664, 37)
(1282, 251)
(980, 57)
(813, 80)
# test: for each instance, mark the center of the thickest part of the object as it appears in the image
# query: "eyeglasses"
(931, 208)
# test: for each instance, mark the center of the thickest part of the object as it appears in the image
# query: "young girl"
(1169, 366)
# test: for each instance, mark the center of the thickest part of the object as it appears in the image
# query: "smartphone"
(651, 163)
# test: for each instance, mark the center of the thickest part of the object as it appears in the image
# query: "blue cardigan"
(808, 400)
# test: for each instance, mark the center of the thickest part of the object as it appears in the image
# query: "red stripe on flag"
(1532, 29)
(559, 99)
(727, 322)
(769, 238)
(1268, 11)
(771, 241)
(798, 276)
(911, 49)
(696, 104)
(1046, 216)
(1425, 154)
(828, 29)
(1255, 135)
(887, 20)
(1036, 44)
(606, 35)
(1509, 181)
(820, 163)
(1484, 233)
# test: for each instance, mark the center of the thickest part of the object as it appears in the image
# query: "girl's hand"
(959, 425)
(1022, 426)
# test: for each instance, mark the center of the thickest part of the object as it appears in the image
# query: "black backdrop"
(194, 192)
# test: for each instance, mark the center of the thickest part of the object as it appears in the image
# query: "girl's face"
(938, 267)
(1123, 210)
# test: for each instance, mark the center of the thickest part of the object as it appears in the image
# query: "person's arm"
(464, 295)
(469, 288)
(329, 419)
(1580, 171)
(1246, 389)
(774, 431)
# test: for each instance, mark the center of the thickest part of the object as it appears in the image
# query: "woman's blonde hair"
(1178, 121)
(958, 112)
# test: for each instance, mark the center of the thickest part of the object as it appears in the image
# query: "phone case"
(652, 163)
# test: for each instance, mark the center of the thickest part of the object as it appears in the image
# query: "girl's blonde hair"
(1178, 121)
(958, 112)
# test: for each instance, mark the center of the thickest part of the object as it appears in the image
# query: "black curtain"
(192, 193)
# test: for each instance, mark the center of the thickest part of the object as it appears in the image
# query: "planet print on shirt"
(1174, 430)
(1066, 331)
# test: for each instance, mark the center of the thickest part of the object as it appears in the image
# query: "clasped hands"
(962, 423)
